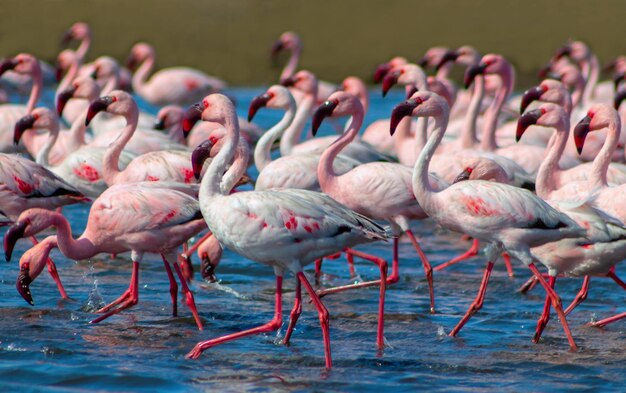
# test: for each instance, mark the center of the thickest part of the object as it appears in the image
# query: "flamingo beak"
(58, 72)
(619, 97)
(390, 79)
(7, 64)
(159, 124)
(207, 270)
(423, 62)
(381, 71)
(471, 73)
(199, 156)
(277, 47)
(323, 111)
(465, 175)
(412, 90)
(525, 121)
(63, 98)
(131, 62)
(544, 71)
(12, 235)
(191, 117)
(25, 123)
(565, 50)
(448, 56)
(617, 79)
(530, 95)
(23, 285)
(258, 102)
(98, 105)
(67, 38)
(580, 133)
(288, 82)
(401, 111)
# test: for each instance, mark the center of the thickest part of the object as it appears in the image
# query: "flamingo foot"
(127, 300)
(472, 252)
(323, 316)
(189, 299)
(606, 321)
(545, 315)
(477, 304)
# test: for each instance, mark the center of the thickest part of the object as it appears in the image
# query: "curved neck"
(549, 173)
(424, 193)
(176, 134)
(577, 93)
(82, 248)
(488, 140)
(262, 151)
(210, 186)
(292, 135)
(70, 75)
(421, 134)
(111, 84)
(292, 64)
(35, 92)
(444, 71)
(77, 132)
(236, 171)
(325, 171)
(468, 133)
(141, 75)
(42, 156)
(110, 161)
(597, 177)
(83, 48)
(591, 78)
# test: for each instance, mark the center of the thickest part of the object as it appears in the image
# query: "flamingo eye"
(113, 99)
(402, 71)
(469, 169)
(205, 103)
(271, 95)
(543, 111)
(36, 116)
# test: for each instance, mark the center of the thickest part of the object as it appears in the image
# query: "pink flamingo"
(285, 229)
(138, 217)
(175, 85)
(478, 208)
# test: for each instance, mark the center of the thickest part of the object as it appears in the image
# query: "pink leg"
(295, 313)
(350, 259)
(191, 303)
(368, 257)
(318, 270)
(477, 304)
(545, 315)
(580, 296)
(556, 303)
(173, 287)
(472, 252)
(323, 315)
(428, 270)
(609, 320)
(271, 326)
(507, 263)
(613, 276)
(528, 285)
(131, 297)
(52, 269)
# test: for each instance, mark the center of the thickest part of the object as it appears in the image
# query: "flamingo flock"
(536, 178)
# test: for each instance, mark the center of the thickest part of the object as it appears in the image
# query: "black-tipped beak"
(199, 156)
(207, 269)
(565, 50)
(401, 111)
(159, 124)
(619, 97)
(23, 285)
(525, 121)
(448, 56)
(381, 72)
(617, 79)
(22, 125)
(58, 73)
(131, 62)
(323, 111)
(465, 175)
(63, 98)
(12, 235)
(288, 82)
(530, 95)
(423, 62)
(544, 71)
(277, 47)
(98, 105)
(67, 38)
(390, 79)
(412, 90)
(471, 73)
(258, 102)
(610, 66)
(7, 64)
(580, 133)
(191, 117)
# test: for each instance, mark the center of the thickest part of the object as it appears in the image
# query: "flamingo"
(285, 229)
(138, 217)
(509, 218)
(175, 85)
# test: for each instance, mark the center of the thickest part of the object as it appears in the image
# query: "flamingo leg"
(472, 252)
(295, 313)
(127, 300)
(189, 299)
(545, 315)
(323, 316)
(368, 257)
(556, 303)
(350, 259)
(507, 263)
(52, 269)
(477, 304)
(613, 276)
(318, 270)
(173, 287)
(528, 285)
(271, 326)
(606, 321)
(580, 296)
(428, 270)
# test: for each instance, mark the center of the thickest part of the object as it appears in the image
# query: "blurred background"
(231, 39)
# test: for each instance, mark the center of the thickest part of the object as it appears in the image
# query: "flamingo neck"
(549, 173)
(111, 84)
(444, 71)
(600, 165)
(577, 94)
(43, 155)
(83, 48)
(70, 75)
(262, 151)
(82, 248)
(292, 64)
(468, 137)
(236, 171)
(141, 75)
(488, 141)
(35, 92)
(325, 171)
(110, 161)
(404, 135)
(591, 77)
(176, 134)
(210, 185)
(293, 134)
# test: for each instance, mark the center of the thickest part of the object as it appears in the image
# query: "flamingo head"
(24, 63)
(29, 223)
(338, 104)
(575, 50)
(408, 74)
(32, 263)
(599, 117)
(138, 54)
(448, 56)
(421, 104)
(277, 97)
(83, 87)
(619, 97)
(433, 57)
(118, 102)
(78, 31)
(287, 41)
(65, 59)
(207, 149)
(546, 115)
(531, 95)
(168, 117)
(210, 255)
(105, 67)
(489, 64)
(304, 81)
(39, 119)
(481, 168)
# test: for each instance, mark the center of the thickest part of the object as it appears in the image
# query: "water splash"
(95, 301)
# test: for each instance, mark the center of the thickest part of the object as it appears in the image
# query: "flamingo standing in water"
(138, 217)
(285, 229)
(510, 218)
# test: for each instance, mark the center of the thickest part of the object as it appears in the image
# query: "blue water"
(51, 347)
